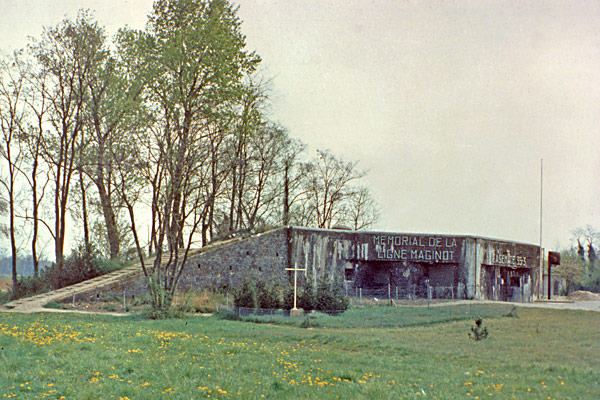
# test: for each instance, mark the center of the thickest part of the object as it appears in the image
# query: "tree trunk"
(35, 212)
(286, 196)
(112, 230)
(13, 240)
(86, 228)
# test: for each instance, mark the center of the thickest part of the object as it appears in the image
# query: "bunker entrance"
(406, 280)
(505, 283)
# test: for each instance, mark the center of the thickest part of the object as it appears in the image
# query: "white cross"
(295, 269)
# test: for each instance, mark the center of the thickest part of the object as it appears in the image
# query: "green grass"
(386, 317)
(55, 305)
(541, 354)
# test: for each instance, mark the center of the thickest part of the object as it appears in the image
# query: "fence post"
(397, 293)
(124, 302)
(360, 295)
(428, 294)
(390, 294)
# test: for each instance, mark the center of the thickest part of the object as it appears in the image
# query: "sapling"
(478, 332)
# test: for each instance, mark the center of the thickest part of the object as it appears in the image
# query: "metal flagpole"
(541, 284)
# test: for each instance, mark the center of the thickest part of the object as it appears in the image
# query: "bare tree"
(36, 173)
(291, 179)
(362, 210)
(68, 54)
(328, 186)
(12, 115)
(247, 121)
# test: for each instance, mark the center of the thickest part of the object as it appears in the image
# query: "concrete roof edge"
(303, 228)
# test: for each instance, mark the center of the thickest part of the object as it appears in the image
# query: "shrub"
(306, 297)
(268, 296)
(478, 332)
(326, 297)
(288, 298)
(29, 285)
(330, 298)
(83, 263)
(246, 296)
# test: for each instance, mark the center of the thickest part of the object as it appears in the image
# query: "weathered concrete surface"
(421, 265)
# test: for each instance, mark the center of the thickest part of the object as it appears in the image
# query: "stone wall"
(415, 264)
(225, 268)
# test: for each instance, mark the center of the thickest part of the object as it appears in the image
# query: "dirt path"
(36, 303)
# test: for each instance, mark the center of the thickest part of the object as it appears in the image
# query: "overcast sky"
(449, 105)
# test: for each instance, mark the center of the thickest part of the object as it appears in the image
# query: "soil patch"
(5, 283)
(582, 295)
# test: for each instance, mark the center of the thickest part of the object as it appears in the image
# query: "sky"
(450, 106)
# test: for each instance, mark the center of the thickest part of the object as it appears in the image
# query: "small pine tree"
(477, 331)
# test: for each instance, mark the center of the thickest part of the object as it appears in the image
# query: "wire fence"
(410, 292)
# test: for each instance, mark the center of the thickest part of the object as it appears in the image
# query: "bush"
(478, 331)
(268, 296)
(326, 297)
(306, 297)
(83, 263)
(29, 285)
(246, 296)
(288, 298)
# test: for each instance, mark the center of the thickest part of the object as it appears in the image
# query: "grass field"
(541, 354)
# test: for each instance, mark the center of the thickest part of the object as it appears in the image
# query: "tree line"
(579, 266)
(163, 129)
